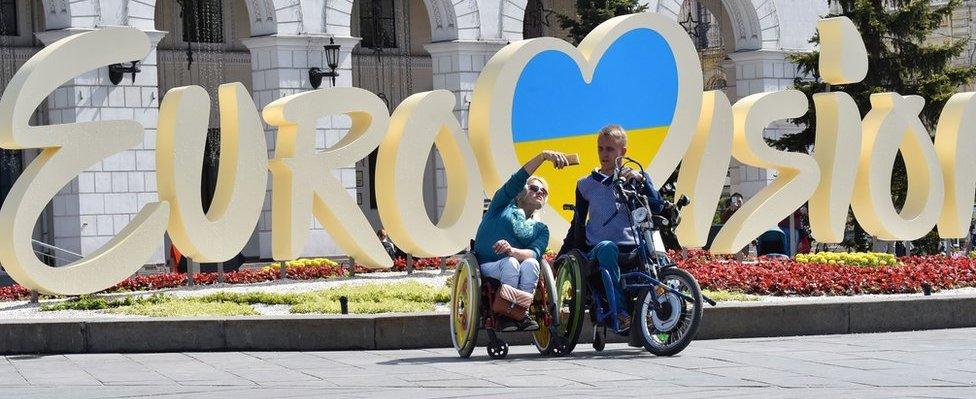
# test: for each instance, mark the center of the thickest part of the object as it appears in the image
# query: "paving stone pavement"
(935, 363)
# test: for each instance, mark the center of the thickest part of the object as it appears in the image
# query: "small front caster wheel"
(599, 341)
(498, 350)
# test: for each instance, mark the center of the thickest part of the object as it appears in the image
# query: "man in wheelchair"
(600, 226)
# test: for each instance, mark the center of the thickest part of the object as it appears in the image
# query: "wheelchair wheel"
(465, 303)
(542, 310)
(670, 330)
(570, 299)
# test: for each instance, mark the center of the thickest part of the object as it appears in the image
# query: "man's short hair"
(616, 132)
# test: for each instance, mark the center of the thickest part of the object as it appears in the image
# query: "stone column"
(102, 200)
(754, 72)
(280, 65)
(456, 66)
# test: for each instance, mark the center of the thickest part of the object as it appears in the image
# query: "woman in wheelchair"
(511, 238)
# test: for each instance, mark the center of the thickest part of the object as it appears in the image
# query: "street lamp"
(315, 75)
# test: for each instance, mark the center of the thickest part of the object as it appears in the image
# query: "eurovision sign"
(640, 71)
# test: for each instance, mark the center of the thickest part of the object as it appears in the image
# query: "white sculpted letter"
(68, 149)
(955, 144)
(798, 173)
(704, 168)
(893, 125)
(843, 60)
(838, 145)
(302, 176)
(242, 180)
(419, 121)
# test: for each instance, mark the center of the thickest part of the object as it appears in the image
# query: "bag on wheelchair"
(511, 302)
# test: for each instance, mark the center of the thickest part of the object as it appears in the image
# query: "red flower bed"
(14, 292)
(400, 264)
(768, 276)
(170, 280)
(785, 277)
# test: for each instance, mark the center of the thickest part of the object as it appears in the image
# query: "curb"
(430, 330)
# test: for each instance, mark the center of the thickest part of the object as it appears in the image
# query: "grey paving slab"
(926, 364)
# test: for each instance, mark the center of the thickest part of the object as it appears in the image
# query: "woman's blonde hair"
(536, 214)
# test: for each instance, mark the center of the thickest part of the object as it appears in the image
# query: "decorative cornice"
(300, 41)
(51, 36)
(466, 46)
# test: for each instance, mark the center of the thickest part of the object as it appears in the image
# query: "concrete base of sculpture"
(811, 316)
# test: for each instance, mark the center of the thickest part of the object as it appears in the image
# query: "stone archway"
(754, 23)
(63, 14)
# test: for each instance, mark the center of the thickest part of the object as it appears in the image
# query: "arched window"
(377, 24)
(533, 25)
(203, 21)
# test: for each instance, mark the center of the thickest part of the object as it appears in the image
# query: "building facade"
(391, 47)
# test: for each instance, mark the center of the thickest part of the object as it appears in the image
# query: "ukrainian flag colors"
(635, 85)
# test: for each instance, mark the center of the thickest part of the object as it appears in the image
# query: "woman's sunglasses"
(534, 188)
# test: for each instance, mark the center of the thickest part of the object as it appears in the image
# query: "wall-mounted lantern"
(315, 75)
(116, 71)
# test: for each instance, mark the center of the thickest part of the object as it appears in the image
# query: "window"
(11, 165)
(8, 18)
(534, 23)
(377, 24)
(372, 175)
(211, 166)
(203, 21)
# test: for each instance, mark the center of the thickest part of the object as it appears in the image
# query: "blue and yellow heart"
(635, 85)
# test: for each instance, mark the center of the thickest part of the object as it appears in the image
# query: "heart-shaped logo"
(639, 71)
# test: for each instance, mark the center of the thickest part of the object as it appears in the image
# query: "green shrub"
(724, 296)
(255, 297)
(386, 306)
(186, 307)
(372, 292)
(410, 296)
(86, 302)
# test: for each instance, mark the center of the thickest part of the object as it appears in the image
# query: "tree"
(590, 13)
(904, 56)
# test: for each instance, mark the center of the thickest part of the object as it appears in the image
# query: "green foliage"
(88, 302)
(927, 245)
(367, 307)
(254, 297)
(186, 307)
(724, 296)
(410, 296)
(590, 13)
(409, 291)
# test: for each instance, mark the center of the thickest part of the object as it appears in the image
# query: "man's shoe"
(507, 325)
(527, 324)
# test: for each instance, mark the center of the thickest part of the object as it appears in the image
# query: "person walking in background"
(391, 249)
(735, 202)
